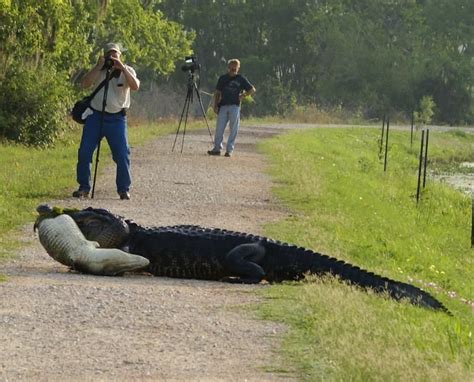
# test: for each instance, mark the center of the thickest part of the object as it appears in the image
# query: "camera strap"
(100, 86)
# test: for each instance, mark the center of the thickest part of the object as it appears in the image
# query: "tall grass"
(346, 206)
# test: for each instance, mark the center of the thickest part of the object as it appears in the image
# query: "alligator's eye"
(44, 209)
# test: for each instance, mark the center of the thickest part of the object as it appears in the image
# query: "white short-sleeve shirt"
(118, 94)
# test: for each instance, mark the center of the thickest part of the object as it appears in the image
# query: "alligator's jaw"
(64, 242)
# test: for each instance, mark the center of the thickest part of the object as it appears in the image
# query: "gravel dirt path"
(60, 325)
(57, 325)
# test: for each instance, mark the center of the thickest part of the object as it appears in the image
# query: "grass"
(345, 205)
(35, 175)
(339, 333)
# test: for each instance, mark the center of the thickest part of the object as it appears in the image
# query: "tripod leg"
(186, 118)
(203, 112)
(104, 104)
(186, 106)
(96, 166)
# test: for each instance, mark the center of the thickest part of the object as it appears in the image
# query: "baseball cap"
(112, 46)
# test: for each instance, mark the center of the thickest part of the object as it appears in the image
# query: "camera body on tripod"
(190, 64)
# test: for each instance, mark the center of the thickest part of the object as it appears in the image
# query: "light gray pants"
(231, 114)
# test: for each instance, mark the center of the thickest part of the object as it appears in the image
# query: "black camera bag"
(80, 106)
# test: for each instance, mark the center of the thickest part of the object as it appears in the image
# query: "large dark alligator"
(188, 251)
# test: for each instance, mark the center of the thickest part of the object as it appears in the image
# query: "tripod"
(189, 100)
(104, 104)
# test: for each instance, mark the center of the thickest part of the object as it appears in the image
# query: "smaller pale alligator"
(64, 242)
(186, 251)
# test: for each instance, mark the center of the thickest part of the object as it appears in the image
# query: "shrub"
(425, 111)
(33, 104)
(272, 98)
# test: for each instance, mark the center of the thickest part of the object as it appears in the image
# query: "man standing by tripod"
(108, 119)
(231, 88)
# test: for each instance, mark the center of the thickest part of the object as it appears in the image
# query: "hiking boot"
(214, 152)
(80, 194)
(124, 195)
(228, 155)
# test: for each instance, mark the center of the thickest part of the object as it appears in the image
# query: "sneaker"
(124, 195)
(214, 152)
(228, 155)
(80, 194)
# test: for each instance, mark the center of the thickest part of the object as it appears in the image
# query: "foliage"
(371, 55)
(425, 111)
(55, 41)
(378, 57)
(343, 204)
(273, 99)
(32, 105)
(47, 34)
(151, 42)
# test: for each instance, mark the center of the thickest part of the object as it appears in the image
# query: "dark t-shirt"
(231, 87)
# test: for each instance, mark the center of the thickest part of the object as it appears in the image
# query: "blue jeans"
(231, 114)
(115, 131)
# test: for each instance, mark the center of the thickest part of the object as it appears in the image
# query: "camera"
(108, 62)
(190, 64)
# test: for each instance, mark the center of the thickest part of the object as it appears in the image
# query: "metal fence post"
(426, 157)
(419, 166)
(381, 137)
(386, 145)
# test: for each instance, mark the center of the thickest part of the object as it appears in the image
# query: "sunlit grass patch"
(343, 204)
(346, 204)
(341, 333)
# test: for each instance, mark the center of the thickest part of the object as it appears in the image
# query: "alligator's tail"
(368, 280)
(302, 261)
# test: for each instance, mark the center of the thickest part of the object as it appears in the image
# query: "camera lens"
(108, 63)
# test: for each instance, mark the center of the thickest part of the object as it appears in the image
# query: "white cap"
(112, 46)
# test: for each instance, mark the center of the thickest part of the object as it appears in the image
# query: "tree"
(48, 44)
(374, 55)
(448, 49)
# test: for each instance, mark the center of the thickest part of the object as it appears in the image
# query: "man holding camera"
(231, 88)
(122, 79)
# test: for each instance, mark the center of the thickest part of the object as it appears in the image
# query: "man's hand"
(132, 81)
(248, 93)
(216, 100)
(117, 64)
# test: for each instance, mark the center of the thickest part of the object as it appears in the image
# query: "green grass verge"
(34, 176)
(344, 205)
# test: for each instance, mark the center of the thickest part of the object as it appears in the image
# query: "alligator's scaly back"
(195, 252)
(178, 252)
